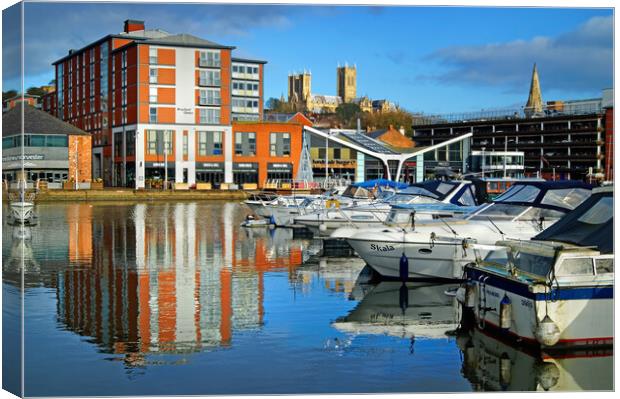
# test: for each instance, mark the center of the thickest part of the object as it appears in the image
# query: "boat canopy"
(381, 183)
(555, 195)
(441, 190)
(590, 224)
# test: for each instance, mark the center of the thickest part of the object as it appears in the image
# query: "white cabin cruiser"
(555, 291)
(437, 249)
(284, 214)
(425, 201)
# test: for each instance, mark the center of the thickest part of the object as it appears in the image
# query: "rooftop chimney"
(133, 25)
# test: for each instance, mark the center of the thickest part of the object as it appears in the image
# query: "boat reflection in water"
(492, 365)
(161, 278)
(413, 310)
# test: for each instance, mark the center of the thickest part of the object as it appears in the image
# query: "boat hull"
(576, 310)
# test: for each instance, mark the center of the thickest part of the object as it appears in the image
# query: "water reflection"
(150, 278)
(492, 365)
(412, 310)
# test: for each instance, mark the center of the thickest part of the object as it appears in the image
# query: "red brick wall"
(84, 157)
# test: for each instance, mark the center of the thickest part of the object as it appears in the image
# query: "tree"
(8, 94)
(348, 113)
(396, 118)
(35, 91)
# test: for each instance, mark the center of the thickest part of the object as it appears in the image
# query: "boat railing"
(290, 184)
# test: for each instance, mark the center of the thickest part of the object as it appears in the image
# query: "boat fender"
(272, 220)
(322, 227)
(404, 268)
(505, 312)
(547, 333)
(469, 297)
(403, 297)
(505, 366)
(547, 375)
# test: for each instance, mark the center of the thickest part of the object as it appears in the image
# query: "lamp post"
(483, 162)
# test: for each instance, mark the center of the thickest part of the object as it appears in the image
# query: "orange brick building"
(154, 100)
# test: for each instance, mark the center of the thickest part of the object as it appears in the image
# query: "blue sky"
(426, 59)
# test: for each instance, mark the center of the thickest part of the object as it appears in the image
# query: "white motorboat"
(403, 310)
(555, 291)
(284, 214)
(438, 249)
(425, 201)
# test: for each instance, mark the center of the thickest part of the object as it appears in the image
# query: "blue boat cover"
(381, 183)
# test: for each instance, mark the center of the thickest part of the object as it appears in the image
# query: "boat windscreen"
(537, 264)
(414, 190)
(568, 198)
(519, 193)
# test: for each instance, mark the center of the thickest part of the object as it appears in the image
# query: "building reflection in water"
(170, 278)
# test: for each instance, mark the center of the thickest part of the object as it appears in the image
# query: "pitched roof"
(184, 39)
(35, 121)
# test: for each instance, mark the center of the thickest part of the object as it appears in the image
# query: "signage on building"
(185, 110)
(410, 164)
(158, 165)
(246, 166)
(213, 166)
(26, 157)
(279, 167)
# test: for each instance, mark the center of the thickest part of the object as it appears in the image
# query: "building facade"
(53, 151)
(145, 95)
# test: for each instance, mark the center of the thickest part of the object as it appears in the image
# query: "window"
(209, 58)
(37, 140)
(130, 143)
(568, 198)
(600, 212)
(152, 94)
(118, 144)
(235, 68)
(124, 96)
(152, 55)
(604, 265)
(280, 144)
(572, 266)
(157, 139)
(210, 78)
(57, 141)
(153, 115)
(519, 193)
(185, 145)
(9, 142)
(209, 143)
(153, 75)
(209, 115)
(245, 143)
(210, 97)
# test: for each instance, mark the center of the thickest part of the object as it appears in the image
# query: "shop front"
(245, 173)
(155, 173)
(279, 171)
(210, 172)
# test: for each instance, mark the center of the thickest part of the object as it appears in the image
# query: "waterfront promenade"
(128, 194)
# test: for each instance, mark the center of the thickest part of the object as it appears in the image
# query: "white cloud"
(578, 60)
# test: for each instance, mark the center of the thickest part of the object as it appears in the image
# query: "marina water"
(176, 298)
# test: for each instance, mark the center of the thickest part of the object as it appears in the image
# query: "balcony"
(206, 63)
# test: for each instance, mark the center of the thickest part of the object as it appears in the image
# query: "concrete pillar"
(228, 154)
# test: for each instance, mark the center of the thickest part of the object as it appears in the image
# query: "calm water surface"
(163, 298)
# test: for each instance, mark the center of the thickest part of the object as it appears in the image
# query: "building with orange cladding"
(154, 101)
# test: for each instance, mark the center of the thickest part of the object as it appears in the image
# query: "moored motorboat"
(430, 198)
(555, 291)
(438, 249)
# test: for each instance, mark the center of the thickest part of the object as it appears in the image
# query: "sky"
(425, 59)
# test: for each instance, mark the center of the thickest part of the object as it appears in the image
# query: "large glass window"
(210, 97)
(37, 140)
(210, 58)
(156, 139)
(153, 75)
(209, 115)
(118, 144)
(130, 143)
(280, 144)
(209, 143)
(153, 115)
(210, 78)
(152, 55)
(57, 141)
(245, 143)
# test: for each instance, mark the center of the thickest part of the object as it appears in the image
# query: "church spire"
(534, 101)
